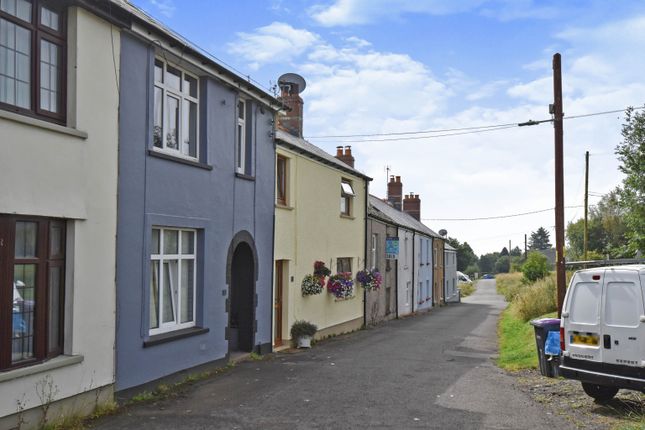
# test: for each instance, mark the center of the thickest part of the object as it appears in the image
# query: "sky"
(395, 66)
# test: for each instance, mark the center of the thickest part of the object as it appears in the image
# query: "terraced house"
(59, 102)
(196, 202)
(321, 211)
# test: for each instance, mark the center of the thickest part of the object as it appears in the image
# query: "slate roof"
(448, 247)
(244, 83)
(402, 219)
(302, 146)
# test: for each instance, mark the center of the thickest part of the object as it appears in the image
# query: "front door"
(277, 306)
(242, 300)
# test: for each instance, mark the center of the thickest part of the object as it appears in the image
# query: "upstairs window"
(175, 110)
(32, 58)
(281, 180)
(240, 144)
(373, 251)
(346, 196)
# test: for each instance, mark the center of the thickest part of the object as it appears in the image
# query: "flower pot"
(304, 342)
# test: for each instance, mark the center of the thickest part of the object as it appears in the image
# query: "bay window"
(32, 285)
(172, 279)
(32, 58)
(175, 110)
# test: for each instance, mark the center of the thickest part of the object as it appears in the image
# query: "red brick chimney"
(346, 157)
(291, 85)
(412, 206)
(395, 192)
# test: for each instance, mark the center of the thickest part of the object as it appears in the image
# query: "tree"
(536, 266)
(539, 239)
(504, 252)
(487, 262)
(631, 154)
(516, 252)
(502, 265)
(465, 254)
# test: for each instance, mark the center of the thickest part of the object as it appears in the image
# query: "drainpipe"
(414, 257)
(445, 292)
(396, 276)
(365, 254)
(272, 311)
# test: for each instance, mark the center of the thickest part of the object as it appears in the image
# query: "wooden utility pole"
(509, 256)
(586, 236)
(559, 180)
(526, 250)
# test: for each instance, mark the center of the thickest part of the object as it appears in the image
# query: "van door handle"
(606, 340)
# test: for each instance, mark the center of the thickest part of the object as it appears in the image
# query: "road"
(433, 370)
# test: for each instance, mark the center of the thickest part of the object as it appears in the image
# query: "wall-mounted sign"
(392, 248)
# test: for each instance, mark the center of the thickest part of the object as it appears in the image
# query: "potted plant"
(320, 270)
(341, 285)
(369, 279)
(312, 285)
(302, 332)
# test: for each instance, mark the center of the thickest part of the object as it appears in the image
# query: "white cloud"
(165, 7)
(352, 12)
(275, 43)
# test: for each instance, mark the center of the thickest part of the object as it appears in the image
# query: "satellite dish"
(443, 232)
(293, 79)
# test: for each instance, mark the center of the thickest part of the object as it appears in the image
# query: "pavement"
(433, 370)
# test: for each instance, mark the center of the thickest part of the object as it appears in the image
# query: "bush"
(508, 285)
(536, 266)
(536, 299)
(303, 328)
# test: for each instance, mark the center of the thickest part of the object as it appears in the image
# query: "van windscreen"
(584, 304)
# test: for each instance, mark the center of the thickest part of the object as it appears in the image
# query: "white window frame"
(240, 136)
(373, 250)
(167, 91)
(347, 195)
(176, 293)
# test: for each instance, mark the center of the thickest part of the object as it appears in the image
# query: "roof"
(447, 247)
(224, 72)
(398, 217)
(302, 146)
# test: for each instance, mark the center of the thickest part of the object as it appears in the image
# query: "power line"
(498, 216)
(450, 131)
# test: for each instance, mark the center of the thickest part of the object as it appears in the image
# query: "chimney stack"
(395, 192)
(291, 85)
(346, 157)
(412, 206)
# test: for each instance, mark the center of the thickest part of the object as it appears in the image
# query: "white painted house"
(58, 170)
(451, 292)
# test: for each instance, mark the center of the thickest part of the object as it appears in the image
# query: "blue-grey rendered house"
(195, 207)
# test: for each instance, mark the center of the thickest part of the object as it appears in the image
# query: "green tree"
(631, 154)
(516, 252)
(504, 252)
(539, 239)
(487, 262)
(536, 266)
(465, 254)
(502, 265)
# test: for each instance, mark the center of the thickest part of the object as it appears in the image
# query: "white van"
(602, 332)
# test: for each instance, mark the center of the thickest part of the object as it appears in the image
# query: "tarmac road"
(433, 370)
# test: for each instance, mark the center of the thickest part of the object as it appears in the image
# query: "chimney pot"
(398, 179)
(339, 151)
(348, 151)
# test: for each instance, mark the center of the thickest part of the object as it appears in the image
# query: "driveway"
(434, 370)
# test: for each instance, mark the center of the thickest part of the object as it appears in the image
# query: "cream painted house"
(320, 215)
(58, 167)
(310, 226)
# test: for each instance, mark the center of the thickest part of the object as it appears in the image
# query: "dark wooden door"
(277, 306)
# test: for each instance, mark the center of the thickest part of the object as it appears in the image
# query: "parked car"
(602, 333)
(487, 276)
(463, 278)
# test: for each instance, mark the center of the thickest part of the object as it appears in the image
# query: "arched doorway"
(242, 304)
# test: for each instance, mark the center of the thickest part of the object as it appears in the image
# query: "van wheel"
(600, 393)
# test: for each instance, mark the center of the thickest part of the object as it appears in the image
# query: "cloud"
(353, 12)
(275, 43)
(165, 7)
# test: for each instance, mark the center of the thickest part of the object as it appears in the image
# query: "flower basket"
(320, 270)
(341, 285)
(302, 332)
(371, 280)
(312, 285)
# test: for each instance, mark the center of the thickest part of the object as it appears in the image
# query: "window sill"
(168, 157)
(281, 206)
(347, 216)
(46, 125)
(244, 176)
(159, 339)
(46, 366)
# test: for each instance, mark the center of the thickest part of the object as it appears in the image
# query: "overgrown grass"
(508, 284)
(467, 288)
(536, 299)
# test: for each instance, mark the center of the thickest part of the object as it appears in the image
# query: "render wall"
(310, 228)
(209, 197)
(71, 172)
(406, 270)
(424, 273)
(381, 304)
(450, 280)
